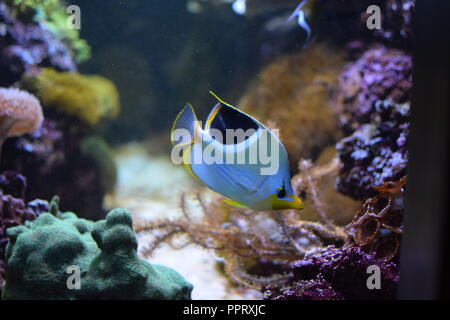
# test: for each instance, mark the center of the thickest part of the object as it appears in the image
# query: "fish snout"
(297, 203)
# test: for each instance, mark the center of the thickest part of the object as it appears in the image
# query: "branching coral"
(256, 246)
(88, 97)
(317, 183)
(341, 273)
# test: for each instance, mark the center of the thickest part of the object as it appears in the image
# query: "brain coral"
(91, 98)
(39, 253)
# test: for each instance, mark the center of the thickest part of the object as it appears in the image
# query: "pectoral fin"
(235, 203)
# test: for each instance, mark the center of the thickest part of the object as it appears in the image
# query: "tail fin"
(186, 120)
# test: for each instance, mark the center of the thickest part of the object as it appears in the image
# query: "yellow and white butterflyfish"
(236, 156)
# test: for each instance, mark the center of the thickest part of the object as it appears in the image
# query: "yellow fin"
(235, 203)
(220, 100)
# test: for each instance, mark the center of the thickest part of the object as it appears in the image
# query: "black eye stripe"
(281, 193)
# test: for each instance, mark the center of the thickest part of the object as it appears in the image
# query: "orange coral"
(294, 92)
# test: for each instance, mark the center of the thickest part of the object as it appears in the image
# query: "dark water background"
(161, 56)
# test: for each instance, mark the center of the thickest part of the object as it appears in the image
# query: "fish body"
(236, 170)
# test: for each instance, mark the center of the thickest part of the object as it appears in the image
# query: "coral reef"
(293, 93)
(256, 247)
(13, 210)
(341, 273)
(55, 157)
(97, 150)
(41, 150)
(52, 15)
(87, 97)
(379, 74)
(377, 227)
(25, 46)
(105, 253)
(337, 273)
(376, 152)
(397, 23)
(373, 103)
(318, 183)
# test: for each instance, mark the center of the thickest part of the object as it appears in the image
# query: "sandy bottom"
(150, 186)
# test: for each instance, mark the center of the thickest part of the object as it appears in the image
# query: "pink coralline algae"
(25, 46)
(379, 74)
(374, 109)
(338, 273)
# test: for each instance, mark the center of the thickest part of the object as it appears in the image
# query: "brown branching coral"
(257, 247)
(378, 227)
(317, 183)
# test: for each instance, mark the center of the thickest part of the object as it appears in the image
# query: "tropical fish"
(255, 7)
(241, 172)
(299, 13)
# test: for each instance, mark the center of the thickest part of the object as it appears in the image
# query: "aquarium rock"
(13, 210)
(26, 45)
(54, 156)
(42, 255)
(373, 106)
(397, 23)
(337, 273)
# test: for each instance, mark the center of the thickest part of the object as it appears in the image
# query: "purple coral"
(376, 152)
(316, 289)
(373, 106)
(54, 165)
(338, 273)
(397, 23)
(14, 211)
(379, 74)
(25, 46)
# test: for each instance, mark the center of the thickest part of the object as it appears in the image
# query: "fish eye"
(281, 192)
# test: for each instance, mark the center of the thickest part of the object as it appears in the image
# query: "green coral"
(96, 149)
(52, 14)
(91, 98)
(39, 253)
